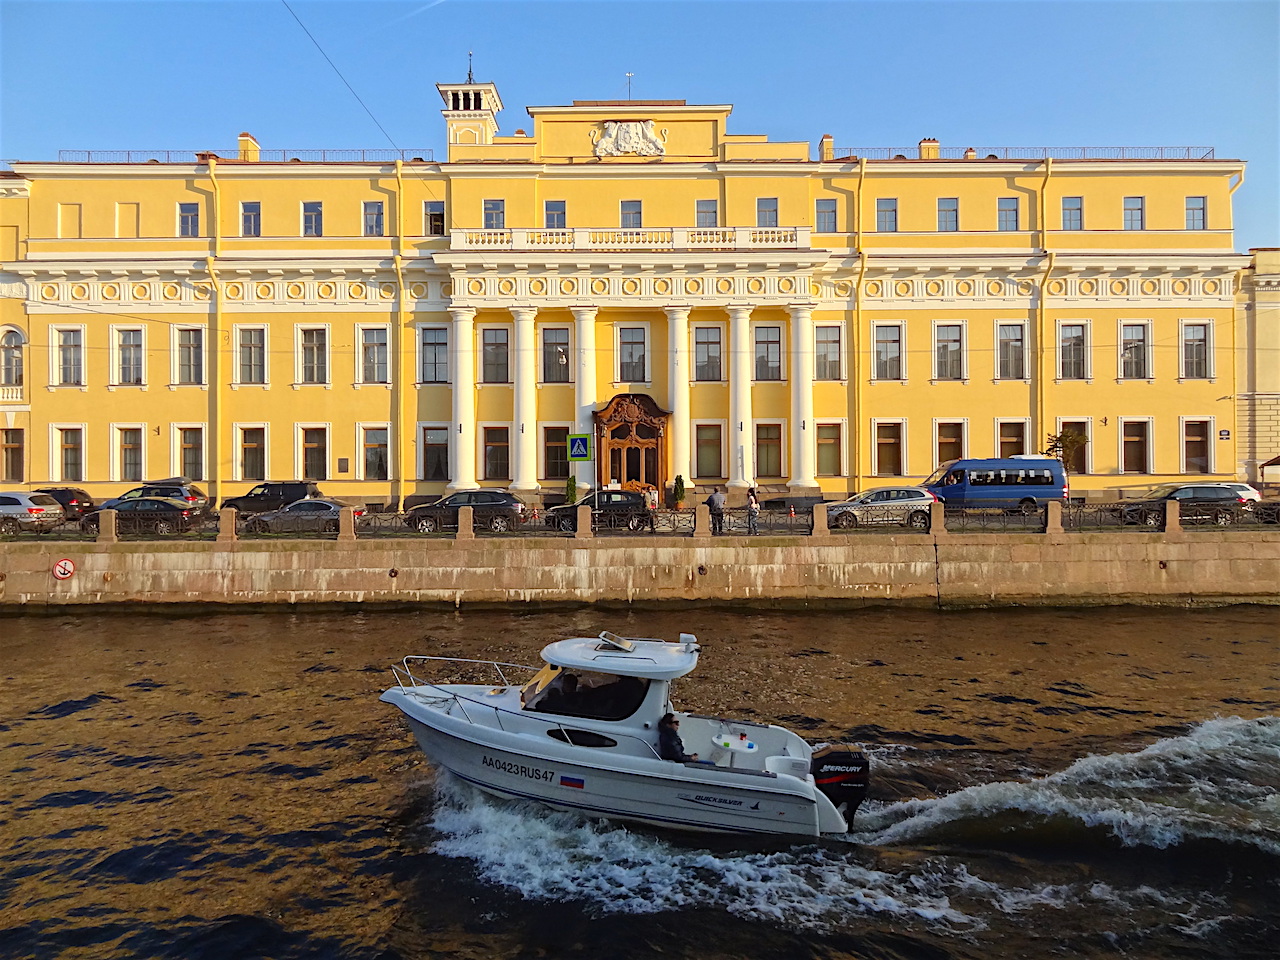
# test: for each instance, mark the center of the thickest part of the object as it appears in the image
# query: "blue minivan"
(1023, 483)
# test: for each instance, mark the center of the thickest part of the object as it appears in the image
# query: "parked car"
(785, 504)
(75, 501)
(1197, 503)
(495, 510)
(1246, 491)
(175, 488)
(148, 515)
(1022, 483)
(272, 496)
(312, 515)
(908, 506)
(610, 509)
(22, 512)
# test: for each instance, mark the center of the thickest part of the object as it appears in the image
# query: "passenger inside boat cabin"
(670, 746)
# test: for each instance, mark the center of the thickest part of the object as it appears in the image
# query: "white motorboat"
(582, 734)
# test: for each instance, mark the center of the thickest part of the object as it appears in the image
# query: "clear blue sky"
(115, 74)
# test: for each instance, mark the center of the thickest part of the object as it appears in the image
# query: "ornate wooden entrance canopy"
(631, 440)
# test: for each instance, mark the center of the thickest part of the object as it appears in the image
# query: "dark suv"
(1197, 503)
(272, 496)
(175, 488)
(495, 510)
(610, 510)
(75, 502)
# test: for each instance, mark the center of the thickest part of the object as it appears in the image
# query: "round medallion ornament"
(356, 291)
(786, 285)
(111, 291)
(724, 285)
(995, 288)
(662, 286)
(631, 286)
(568, 286)
(965, 288)
(755, 285)
(141, 291)
(417, 290)
(1119, 287)
(326, 291)
(902, 288)
(600, 286)
(873, 288)
(1150, 287)
(233, 291)
(265, 291)
(293, 291)
(79, 291)
(475, 286)
(1181, 287)
(201, 290)
(1057, 287)
(537, 286)
(387, 290)
(1025, 287)
(506, 286)
(1088, 287)
(1211, 287)
(49, 292)
(933, 288)
(170, 291)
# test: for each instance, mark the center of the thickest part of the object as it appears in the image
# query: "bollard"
(938, 518)
(820, 527)
(701, 520)
(227, 524)
(347, 523)
(1172, 516)
(1053, 517)
(466, 530)
(583, 531)
(107, 526)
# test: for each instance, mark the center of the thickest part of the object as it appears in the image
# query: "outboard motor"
(841, 772)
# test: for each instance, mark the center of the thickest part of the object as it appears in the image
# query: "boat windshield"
(581, 693)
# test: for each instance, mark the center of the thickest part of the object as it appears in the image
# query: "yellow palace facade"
(702, 304)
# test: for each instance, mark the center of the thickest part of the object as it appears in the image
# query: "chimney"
(929, 149)
(826, 148)
(249, 149)
(970, 154)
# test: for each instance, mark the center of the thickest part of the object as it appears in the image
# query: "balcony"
(594, 239)
(10, 394)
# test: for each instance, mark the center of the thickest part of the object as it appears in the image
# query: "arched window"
(11, 359)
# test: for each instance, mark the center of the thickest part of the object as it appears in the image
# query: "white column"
(584, 390)
(741, 437)
(678, 349)
(462, 373)
(524, 426)
(804, 444)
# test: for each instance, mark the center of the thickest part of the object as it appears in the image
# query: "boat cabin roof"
(626, 656)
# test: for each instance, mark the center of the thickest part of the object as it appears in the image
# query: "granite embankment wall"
(923, 569)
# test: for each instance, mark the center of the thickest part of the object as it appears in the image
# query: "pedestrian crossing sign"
(579, 446)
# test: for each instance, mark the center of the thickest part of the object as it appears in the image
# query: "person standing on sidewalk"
(753, 513)
(716, 503)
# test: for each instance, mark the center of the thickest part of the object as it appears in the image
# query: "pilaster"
(741, 437)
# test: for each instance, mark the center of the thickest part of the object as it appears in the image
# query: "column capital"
(524, 313)
(462, 313)
(739, 311)
(800, 310)
(677, 311)
(583, 314)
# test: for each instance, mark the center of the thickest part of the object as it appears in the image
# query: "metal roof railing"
(1028, 153)
(264, 156)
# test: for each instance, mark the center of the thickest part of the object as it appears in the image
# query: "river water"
(1046, 783)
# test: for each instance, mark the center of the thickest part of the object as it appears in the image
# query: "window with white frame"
(374, 456)
(768, 354)
(1073, 213)
(555, 453)
(554, 214)
(251, 359)
(373, 225)
(1011, 438)
(253, 453)
(433, 218)
(495, 214)
(1135, 351)
(70, 454)
(495, 355)
(950, 439)
(315, 453)
(827, 353)
(1196, 207)
(435, 452)
(891, 460)
(373, 355)
(70, 357)
(251, 218)
(497, 453)
(887, 215)
(1073, 351)
(766, 211)
(129, 356)
(824, 215)
(1197, 453)
(1076, 434)
(313, 366)
(190, 367)
(555, 355)
(830, 458)
(630, 215)
(11, 359)
(191, 452)
(1135, 213)
(1135, 440)
(631, 354)
(1195, 351)
(435, 355)
(313, 218)
(888, 346)
(709, 450)
(12, 455)
(948, 214)
(1012, 348)
(188, 219)
(129, 454)
(1007, 213)
(708, 356)
(707, 213)
(768, 450)
(948, 351)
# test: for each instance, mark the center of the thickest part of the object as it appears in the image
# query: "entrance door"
(632, 437)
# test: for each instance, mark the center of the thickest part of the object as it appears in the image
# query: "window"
(191, 459)
(1137, 442)
(830, 461)
(315, 355)
(251, 219)
(373, 355)
(433, 218)
(71, 358)
(766, 211)
(11, 374)
(1195, 351)
(253, 356)
(889, 450)
(1078, 462)
(129, 356)
(1073, 213)
(555, 355)
(375, 453)
(1013, 438)
(1135, 213)
(768, 354)
(1073, 358)
(313, 219)
(131, 454)
(555, 447)
(708, 213)
(191, 355)
(1135, 353)
(188, 219)
(494, 355)
(950, 441)
(71, 448)
(708, 455)
(824, 216)
(631, 218)
(948, 214)
(315, 453)
(1195, 446)
(826, 353)
(497, 453)
(435, 453)
(253, 453)
(707, 353)
(948, 351)
(435, 355)
(889, 352)
(768, 449)
(887, 216)
(1007, 213)
(11, 456)
(495, 214)
(555, 214)
(631, 359)
(1013, 355)
(1196, 213)
(373, 218)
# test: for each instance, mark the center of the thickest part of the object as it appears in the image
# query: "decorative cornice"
(15, 188)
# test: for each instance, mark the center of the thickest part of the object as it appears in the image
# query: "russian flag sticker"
(575, 782)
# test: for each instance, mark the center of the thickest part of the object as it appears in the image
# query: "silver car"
(311, 515)
(22, 512)
(904, 506)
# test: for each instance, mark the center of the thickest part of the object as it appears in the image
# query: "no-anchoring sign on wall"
(64, 569)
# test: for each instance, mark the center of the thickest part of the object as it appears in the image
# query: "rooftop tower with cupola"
(470, 110)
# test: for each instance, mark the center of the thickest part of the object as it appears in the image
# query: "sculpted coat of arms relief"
(621, 137)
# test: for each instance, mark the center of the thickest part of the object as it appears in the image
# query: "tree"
(677, 490)
(1064, 446)
(571, 490)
